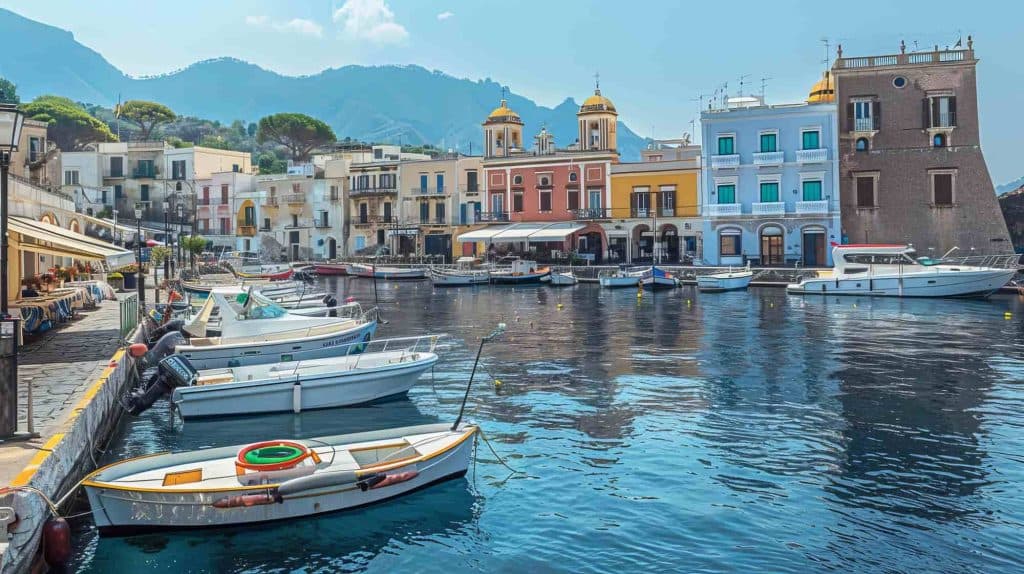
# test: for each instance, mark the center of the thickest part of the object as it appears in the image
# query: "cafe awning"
(52, 240)
(518, 232)
(555, 232)
(484, 234)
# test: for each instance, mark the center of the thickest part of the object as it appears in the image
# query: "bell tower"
(597, 121)
(503, 132)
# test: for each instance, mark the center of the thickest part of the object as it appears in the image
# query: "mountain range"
(388, 104)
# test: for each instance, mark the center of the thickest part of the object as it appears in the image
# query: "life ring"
(274, 455)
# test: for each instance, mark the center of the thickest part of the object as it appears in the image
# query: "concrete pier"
(77, 372)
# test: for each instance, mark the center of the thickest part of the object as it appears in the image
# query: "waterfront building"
(373, 209)
(548, 185)
(910, 152)
(655, 211)
(1012, 205)
(299, 213)
(217, 205)
(438, 197)
(770, 189)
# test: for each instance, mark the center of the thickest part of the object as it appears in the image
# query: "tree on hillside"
(146, 115)
(69, 125)
(299, 133)
(8, 92)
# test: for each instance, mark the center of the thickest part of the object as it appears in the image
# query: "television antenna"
(764, 83)
(743, 79)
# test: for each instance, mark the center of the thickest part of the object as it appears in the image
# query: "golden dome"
(597, 103)
(823, 91)
(503, 113)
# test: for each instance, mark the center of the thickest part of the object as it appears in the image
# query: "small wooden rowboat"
(731, 280)
(274, 480)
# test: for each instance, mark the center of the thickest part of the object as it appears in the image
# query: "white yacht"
(891, 270)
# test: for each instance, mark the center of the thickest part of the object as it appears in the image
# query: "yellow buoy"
(497, 383)
(559, 306)
(1007, 315)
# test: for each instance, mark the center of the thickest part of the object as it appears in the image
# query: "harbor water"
(677, 432)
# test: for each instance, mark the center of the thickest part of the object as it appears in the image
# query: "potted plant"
(116, 280)
(130, 273)
(48, 282)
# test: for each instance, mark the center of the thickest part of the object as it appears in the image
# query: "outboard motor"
(330, 302)
(172, 372)
(172, 326)
(164, 346)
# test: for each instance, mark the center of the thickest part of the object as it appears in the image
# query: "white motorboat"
(890, 270)
(563, 279)
(255, 330)
(618, 278)
(731, 280)
(385, 368)
(274, 480)
(386, 273)
(519, 271)
(467, 271)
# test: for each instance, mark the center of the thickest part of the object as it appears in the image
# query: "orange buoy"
(56, 542)
(137, 350)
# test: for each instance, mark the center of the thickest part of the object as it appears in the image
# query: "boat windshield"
(880, 259)
(257, 306)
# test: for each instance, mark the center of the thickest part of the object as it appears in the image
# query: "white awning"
(45, 238)
(556, 232)
(518, 232)
(484, 234)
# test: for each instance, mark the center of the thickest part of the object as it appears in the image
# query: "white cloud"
(301, 26)
(297, 25)
(445, 15)
(371, 20)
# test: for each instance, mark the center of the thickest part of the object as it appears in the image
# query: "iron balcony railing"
(592, 213)
(380, 190)
(372, 219)
(442, 191)
(492, 217)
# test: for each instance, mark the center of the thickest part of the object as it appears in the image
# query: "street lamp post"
(167, 236)
(180, 209)
(11, 120)
(141, 283)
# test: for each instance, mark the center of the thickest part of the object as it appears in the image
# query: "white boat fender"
(297, 397)
(317, 480)
(396, 478)
(245, 500)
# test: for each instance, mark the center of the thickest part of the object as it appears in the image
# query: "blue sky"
(654, 57)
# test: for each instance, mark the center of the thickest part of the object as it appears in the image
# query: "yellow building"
(656, 210)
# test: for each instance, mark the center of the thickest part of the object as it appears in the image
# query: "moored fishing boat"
(563, 279)
(890, 270)
(467, 271)
(386, 273)
(274, 480)
(656, 279)
(618, 278)
(519, 271)
(331, 268)
(731, 280)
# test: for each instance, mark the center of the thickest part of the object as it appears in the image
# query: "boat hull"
(713, 284)
(119, 510)
(619, 282)
(339, 389)
(387, 273)
(458, 280)
(331, 269)
(563, 279)
(658, 283)
(277, 351)
(972, 284)
(510, 279)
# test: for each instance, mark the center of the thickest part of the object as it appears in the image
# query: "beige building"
(300, 214)
(437, 197)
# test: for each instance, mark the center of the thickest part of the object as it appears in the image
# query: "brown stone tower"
(911, 167)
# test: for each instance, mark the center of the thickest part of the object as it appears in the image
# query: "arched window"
(939, 140)
(517, 180)
(862, 144)
(545, 181)
(573, 176)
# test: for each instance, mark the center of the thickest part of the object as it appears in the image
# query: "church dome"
(597, 103)
(823, 91)
(503, 114)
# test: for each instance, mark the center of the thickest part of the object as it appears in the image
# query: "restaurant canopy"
(517, 232)
(52, 240)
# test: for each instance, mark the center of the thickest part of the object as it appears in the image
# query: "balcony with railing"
(725, 161)
(468, 189)
(818, 206)
(768, 208)
(271, 201)
(428, 191)
(724, 209)
(145, 171)
(295, 198)
(264, 229)
(591, 213)
(769, 158)
(366, 191)
(943, 120)
(434, 221)
(812, 155)
(865, 124)
(492, 217)
(321, 223)
(373, 219)
(247, 230)
(335, 195)
(932, 57)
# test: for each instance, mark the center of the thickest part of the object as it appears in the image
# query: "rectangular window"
(668, 200)
(545, 200)
(439, 212)
(769, 142)
(71, 177)
(118, 191)
(497, 203)
(117, 166)
(942, 111)
(810, 140)
(726, 145)
(266, 224)
(727, 193)
(224, 195)
(942, 189)
(235, 168)
(865, 191)
(471, 182)
(296, 188)
(295, 220)
(770, 192)
(865, 115)
(641, 200)
(104, 198)
(423, 183)
(439, 178)
(178, 169)
(387, 212)
(573, 199)
(594, 198)
(517, 202)
(729, 245)
(812, 191)
(424, 211)
(144, 192)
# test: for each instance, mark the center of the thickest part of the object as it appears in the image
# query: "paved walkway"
(61, 365)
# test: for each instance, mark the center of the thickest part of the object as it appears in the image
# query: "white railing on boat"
(407, 345)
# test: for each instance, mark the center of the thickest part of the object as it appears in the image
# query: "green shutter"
(727, 194)
(812, 191)
(811, 140)
(725, 146)
(768, 143)
(769, 192)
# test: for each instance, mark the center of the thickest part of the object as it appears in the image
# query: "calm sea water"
(732, 432)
